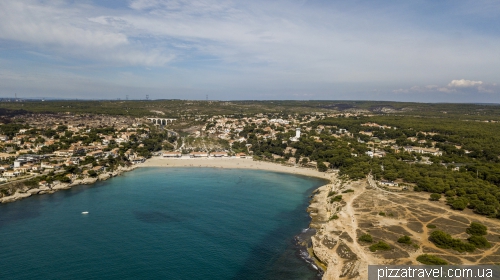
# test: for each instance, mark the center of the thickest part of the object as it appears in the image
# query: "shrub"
(381, 213)
(31, 183)
(431, 260)
(366, 238)
(479, 241)
(321, 166)
(92, 173)
(477, 229)
(336, 198)
(404, 239)
(330, 193)
(381, 245)
(485, 209)
(459, 204)
(435, 197)
(431, 226)
(348, 191)
(443, 240)
(65, 179)
(450, 193)
(334, 217)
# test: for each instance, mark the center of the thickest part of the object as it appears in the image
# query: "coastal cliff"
(333, 246)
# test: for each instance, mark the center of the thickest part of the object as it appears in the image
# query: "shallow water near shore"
(162, 223)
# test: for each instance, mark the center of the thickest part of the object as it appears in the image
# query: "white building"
(297, 135)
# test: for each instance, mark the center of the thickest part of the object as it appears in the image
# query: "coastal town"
(55, 151)
(58, 150)
(377, 167)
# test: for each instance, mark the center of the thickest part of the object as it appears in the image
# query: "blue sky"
(424, 51)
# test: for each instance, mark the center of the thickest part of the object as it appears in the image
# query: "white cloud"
(270, 46)
(145, 4)
(296, 39)
(67, 31)
(401, 90)
(185, 6)
(455, 86)
(42, 25)
(464, 83)
(446, 90)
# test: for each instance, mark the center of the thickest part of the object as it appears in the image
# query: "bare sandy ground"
(234, 163)
(387, 215)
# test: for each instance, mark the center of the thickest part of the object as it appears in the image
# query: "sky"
(419, 50)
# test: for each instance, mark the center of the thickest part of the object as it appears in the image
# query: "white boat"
(85, 212)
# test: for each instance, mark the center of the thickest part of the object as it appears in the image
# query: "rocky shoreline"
(318, 211)
(333, 246)
(23, 191)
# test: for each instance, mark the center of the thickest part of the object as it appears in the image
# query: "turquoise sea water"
(161, 223)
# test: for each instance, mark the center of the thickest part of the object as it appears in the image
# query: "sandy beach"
(234, 163)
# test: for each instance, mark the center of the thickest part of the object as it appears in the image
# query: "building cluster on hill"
(76, 146)
(44, 143)
(284, 132)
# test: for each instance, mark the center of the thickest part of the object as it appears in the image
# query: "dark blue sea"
(161, 223)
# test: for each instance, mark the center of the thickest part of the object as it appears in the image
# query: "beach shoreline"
(228, 162)
(238, 163)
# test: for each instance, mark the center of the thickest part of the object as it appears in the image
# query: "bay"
(162, 223)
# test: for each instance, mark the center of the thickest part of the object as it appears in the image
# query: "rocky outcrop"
(104, 176)
(34, 191)
(84, 181)
(14, 197)
(61, 186)
(19, 191)
(333, 245)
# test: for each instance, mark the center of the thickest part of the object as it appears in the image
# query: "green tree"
(459, 204)
(61, 128)
(435, 197)
(450, 193)
(381, 245)
(479, 241)
(322, 167)
(366, 238)
(404, 239)
(92, 173)
(477, 229)
(431, 260)
(443, 240)
(65, 179)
